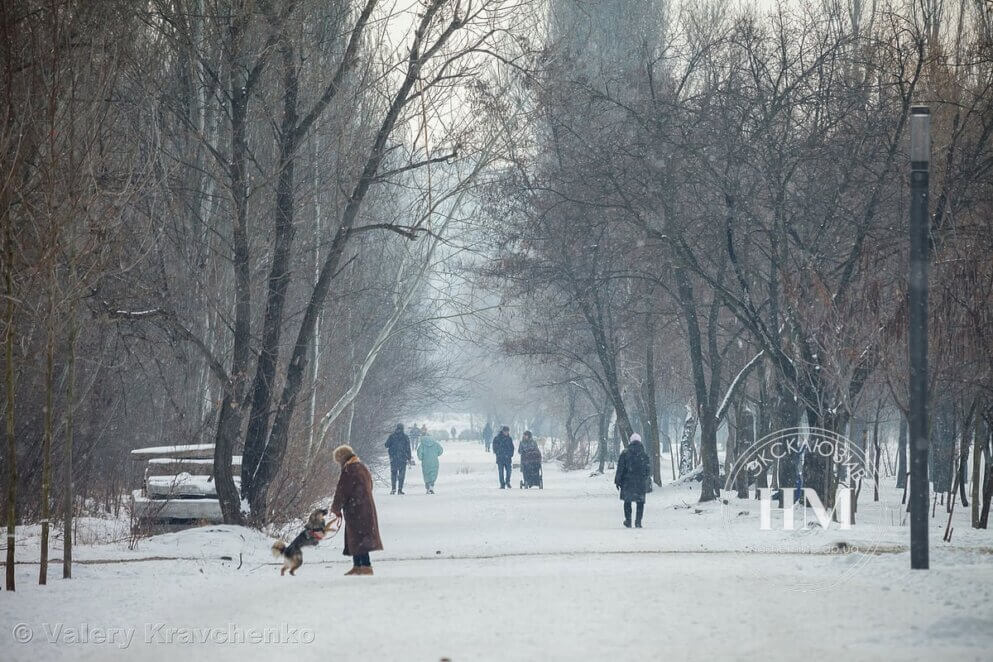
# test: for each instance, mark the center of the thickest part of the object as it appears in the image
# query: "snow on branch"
(735, 383)
(137, 314)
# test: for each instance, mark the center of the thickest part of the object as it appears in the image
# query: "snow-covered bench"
(170, 466)
(190, 512)
(183, 485)
(177, 486)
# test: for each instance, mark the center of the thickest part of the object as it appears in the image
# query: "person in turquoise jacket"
(428, 453)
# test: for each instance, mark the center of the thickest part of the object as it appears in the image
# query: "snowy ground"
(476, 573)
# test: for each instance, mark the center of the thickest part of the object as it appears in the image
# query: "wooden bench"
(177, 488)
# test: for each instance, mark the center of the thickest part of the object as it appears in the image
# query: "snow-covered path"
(476, 573)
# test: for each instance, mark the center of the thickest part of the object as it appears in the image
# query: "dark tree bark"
(8, 278)
(984, 515)
(650, 413)
(603, 431)
(46, 452)
(706, 407)
(901, 454)
(68, 485)
(875, 455)
(570, 430)
(744, 423)
(978, 443)
(230, 416)
(278, 281)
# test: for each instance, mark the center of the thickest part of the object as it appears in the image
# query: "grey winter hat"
(635, 437)
(505, 428)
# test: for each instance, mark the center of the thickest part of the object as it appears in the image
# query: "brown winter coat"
(353, 499)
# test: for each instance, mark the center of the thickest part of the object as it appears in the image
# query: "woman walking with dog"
(353, 501)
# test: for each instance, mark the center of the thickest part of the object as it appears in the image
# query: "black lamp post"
(920, 163)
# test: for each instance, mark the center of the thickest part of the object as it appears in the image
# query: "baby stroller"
(531, 467)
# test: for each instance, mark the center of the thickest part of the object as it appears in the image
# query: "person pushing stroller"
(530, 462)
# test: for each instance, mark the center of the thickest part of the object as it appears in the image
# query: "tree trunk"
(570, 432)
(316, 346)
(665, 439)
(603, 431)
(978, 441)
(279, 278)
(784, 418)
(744, 438)
(763, 423)
(710, 489)
(46, 441)
(731, 443)
(686, 442)
(67, 478)
(875, 459)
(819, 471)
(984, 514)
(8, 277)
(650, 415)
(901, 454)
(963, 460)
(942, 467)
(229, 418)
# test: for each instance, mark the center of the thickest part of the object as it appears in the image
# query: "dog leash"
(337, 522)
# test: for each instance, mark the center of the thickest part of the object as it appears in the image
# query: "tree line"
(708, 206)
(220, 221)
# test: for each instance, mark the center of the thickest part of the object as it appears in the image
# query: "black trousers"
(361, 560)
(504, 466)
(398, 471)
(640, 511)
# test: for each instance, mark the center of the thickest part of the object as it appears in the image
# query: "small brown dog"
(316, 528)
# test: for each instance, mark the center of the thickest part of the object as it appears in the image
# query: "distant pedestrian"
(415, 436)
(634, 471)
(503, 448)
(353, 501)
(487, 435)
(398, 446)
(454, 433)
(428, 453)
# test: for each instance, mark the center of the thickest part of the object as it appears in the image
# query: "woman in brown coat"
(353, 499)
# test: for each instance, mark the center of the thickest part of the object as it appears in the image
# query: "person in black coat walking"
(634, 471)
(503, 448)
(398, 446)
